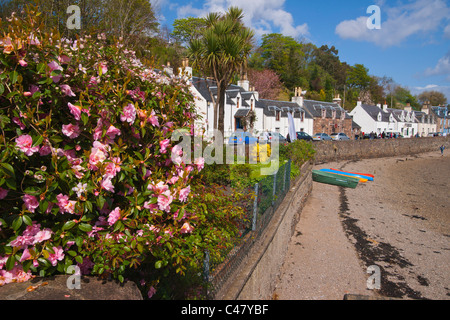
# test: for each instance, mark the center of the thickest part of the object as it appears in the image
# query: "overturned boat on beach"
(335, 179)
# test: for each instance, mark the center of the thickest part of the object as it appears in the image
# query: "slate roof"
(440, 112)
(315, 109)
(270, 112)
(373, 111)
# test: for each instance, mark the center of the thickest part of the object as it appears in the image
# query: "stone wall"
(327, 151)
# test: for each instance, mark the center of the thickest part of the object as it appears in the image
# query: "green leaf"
(79, 242)
(79, 259)
(158, 264)
(2, 88)
(13, 76)
(120, 277)
(27, 220)
(85, 227)
(68, 225)
(17, 223)
(40, 68)
(10, 262)
(72, 253)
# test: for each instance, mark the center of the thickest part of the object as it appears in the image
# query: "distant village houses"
(245, 110)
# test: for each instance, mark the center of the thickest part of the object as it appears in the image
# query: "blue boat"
(348, 174)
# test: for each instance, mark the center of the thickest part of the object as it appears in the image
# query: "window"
(237, 103)
(334, 114)
(302, 116)
(277, 115)
(251, 104)
(324, 113)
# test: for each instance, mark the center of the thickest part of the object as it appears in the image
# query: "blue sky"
(412, 46)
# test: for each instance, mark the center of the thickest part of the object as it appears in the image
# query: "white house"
(242, 104)
(379, 119)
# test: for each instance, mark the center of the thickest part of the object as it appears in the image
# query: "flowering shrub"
(86, 175)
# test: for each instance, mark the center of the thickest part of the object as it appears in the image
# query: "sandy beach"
(400, 223)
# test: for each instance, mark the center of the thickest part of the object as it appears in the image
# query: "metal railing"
(268, 194)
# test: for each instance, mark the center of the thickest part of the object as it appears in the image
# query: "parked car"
(281, 138)
(303, 136)
(241, 137)
(339, 136)
(321, 136)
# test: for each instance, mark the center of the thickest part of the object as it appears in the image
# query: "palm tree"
(221, 52)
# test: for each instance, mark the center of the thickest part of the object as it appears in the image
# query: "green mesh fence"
(269, 193)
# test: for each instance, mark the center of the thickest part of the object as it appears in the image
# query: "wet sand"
(399, 222)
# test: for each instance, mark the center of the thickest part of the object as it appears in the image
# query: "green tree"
(358, 77)
(187, 29)
(284, 55)
(222, 51)
(436, 98)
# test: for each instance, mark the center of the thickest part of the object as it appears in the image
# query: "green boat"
(334, 179)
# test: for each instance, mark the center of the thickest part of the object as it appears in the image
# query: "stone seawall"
(327, 151)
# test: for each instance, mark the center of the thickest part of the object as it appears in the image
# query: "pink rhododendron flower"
(57, 256)
(75, 111)
(23, 63)
(3, 193)
(64, 204)
(42, 235)
(17, 121)
(111, 169)
(160, 187)
(25, 255)
(25, 144)
(63, 59)
(114, 216)
(186, 228)
(45, 150)
(200, 163)
(128, 113)
(112, 132)
(96, 156)
(103, 67)
(107, 184)
(164, 144)
(31, 202)
(54, 66)
(71, 130)
(153, 119)
(164, 201)
(184, 193)
(67, 90)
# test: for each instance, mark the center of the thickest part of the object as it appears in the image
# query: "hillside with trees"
(276, 65)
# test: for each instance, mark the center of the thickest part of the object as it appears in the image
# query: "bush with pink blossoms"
(86, 175)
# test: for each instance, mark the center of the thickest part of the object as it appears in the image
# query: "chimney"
(298, 96)
(359, 103)
(425, 108)
(408, 107)
(243, 82)
(385, 107)
(337, 100)
(185, 70)
(168, 69)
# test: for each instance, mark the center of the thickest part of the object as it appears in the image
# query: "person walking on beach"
(442, 150)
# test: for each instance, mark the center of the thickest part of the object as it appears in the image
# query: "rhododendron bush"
(86, 176)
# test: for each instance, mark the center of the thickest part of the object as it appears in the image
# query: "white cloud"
(263, 16)
(442, 68)
(397, 23)
(447, 32)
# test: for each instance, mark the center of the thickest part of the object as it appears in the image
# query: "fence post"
(255, 207)
(274, 187)
(284, 184)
